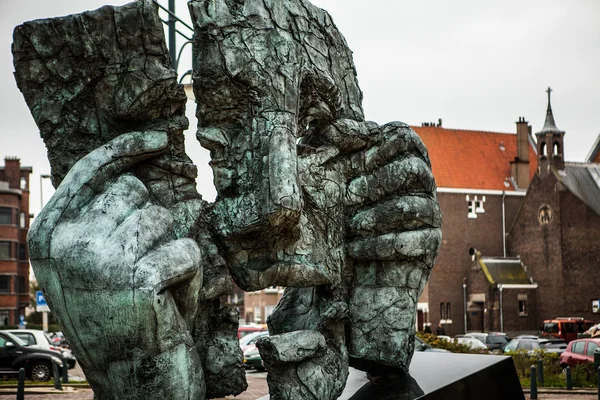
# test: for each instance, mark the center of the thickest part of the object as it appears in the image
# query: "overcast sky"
(476, 64)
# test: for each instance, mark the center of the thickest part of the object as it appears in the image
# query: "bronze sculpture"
(311, 196)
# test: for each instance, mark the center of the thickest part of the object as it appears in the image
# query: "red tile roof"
(471, 159)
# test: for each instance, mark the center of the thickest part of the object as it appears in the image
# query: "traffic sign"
(40, 300)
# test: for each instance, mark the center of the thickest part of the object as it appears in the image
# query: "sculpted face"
(262, 98)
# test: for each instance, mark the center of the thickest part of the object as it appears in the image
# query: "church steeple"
(550, 143)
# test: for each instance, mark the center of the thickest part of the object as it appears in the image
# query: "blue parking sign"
(40, 299)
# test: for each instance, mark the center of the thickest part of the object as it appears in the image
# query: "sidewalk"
(257, 388)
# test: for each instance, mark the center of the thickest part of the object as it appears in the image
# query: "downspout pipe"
(501, 313)
(503, 225)
(465, 301)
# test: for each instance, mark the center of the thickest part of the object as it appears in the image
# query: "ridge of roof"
(594, 150)
(462, 130)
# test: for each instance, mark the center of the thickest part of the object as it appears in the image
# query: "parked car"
(493, 341)
(243, 330)
(566, 328)
(553, 345)
(58, 339)
(532, 337)
(579, 351)
(250, 339)
(471, 342)
(252, 358)
(522, 344)
(16, 354)
(420, 345)
(40, 339)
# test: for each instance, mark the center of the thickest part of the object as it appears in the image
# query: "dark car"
(15, 354)
(420, 345)
(40, 339)
(579, 351)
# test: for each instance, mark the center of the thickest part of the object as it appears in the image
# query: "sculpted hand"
(108, 262)
(393, 234)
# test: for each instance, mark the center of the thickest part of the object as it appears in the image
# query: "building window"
(475, 206)
(23, 183)
(543, 150)
(522, 304)
(596, 306)
(445, 313)
(479, 205)
(556, 148)
(22, 252)
(21, 285)
(5, 250)
(4, 317)
(545, 215)
(4, 284)
(22, 220)
(257, 314)
(5, 216)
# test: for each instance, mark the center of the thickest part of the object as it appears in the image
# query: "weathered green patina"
(341, 211)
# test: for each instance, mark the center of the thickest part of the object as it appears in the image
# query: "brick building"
(482, 179)
(557, 230)
(14, 258)
(519, 230)
(260, 304)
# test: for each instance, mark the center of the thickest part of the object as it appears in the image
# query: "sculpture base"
(437, 376)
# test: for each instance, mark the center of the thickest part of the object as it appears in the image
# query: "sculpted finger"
(409, 175)
(171, 264)
(86, 178)
(387, 143)
(117, 202)
(142, 231)
(403, 213)
(396, 246)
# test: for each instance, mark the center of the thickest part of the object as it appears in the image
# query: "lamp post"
(42, 177)
(173, 31)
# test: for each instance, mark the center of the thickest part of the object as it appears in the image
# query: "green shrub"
(585, 375)
(450, 345)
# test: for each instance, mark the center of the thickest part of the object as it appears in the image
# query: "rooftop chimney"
(520, 166)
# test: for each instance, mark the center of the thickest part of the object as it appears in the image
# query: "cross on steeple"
(549, 91)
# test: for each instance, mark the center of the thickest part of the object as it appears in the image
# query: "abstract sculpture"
(341, 211)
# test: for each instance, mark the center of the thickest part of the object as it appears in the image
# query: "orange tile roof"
(471, 159)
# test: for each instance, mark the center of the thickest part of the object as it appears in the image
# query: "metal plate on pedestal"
(437, 376)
